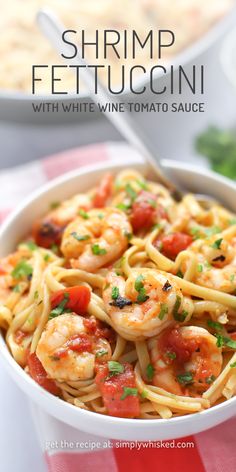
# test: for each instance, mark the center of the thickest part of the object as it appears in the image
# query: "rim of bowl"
(192, 51)
(57, 403)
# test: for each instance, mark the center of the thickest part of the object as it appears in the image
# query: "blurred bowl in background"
(228, 57)
(17, 106)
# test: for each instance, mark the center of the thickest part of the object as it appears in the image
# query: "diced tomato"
(98, 329)
(173, 342)
(173, 244)
(80, 343)
(19, 336)
(47, 232)
(39, 374)
(145, 211)
(78, 298)
(112, 389)
(103, 192)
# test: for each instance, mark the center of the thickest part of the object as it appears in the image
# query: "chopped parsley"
(115, 293)
(83, 214)
(139, 287)
(115, 368)
(163, 311)
(210, 379)
(16, 289)
(232, 277)
(128, 391)
(47, 257)
(232, 222)
(22, 269)
(36, 294)
(78, 237)
(142, 184)
(54, 248)
(224, 341)
(152, 203)
(59, 309)
(185, 379)
(101, 353)
(123, 206)
(180, 274)
(200, 268)
(150, 372)
(144, 394)
(131, 192)
(97, 250)
(233, 365)
(217, 243)
(31, 245)
(215, 325)
(171, 355)
(128, 235)
(179, 316)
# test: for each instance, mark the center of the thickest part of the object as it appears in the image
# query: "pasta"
(122, 301)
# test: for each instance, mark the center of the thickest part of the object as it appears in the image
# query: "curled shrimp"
(216, 264)
(67, 349)
(49, 229)
(144, 304)
(96, 241)
(185, 357)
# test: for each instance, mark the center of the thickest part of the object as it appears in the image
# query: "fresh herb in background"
(219, 146)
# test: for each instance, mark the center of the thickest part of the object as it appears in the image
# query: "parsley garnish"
(200, 268)
(232, 222)
(83, 237)
(115, 293)
(217, 243)
(185, 379)
(129, 392)
(139, 287)
(215, 325)
(131, 192)
(150, 372)
(123, 206)
(22, 269)
(115, 368)
(83, 214)
(101, 353)
(16, 289)
(180, 274)
(210, 379)
(233, 365)
(163, 311)
(36, 294)
(142, 184)
(59, 309)
(47, 257)
(171, 355)
(224, 341)
(97, 250)
(31, 245)
(179, 316)
(128, 235)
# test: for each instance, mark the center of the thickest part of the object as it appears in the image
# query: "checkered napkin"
(69, 450)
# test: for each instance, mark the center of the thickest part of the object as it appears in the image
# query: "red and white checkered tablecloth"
(210, 451)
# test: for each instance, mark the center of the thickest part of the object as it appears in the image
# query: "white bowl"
(17, 226)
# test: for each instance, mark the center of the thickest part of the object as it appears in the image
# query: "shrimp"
(7, 266)
(216, 264)
(98, 240)
(185, 357)
(49, 229)
(145, 304)
(67, 349)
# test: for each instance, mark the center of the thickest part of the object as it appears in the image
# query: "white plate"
(17, 226)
